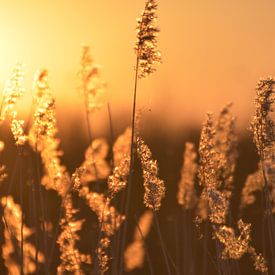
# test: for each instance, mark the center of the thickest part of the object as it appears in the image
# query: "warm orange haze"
(213, 52)
(137, 137)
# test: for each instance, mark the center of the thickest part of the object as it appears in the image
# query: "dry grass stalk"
(12, 236)
(43, 139)
(147, 56)
(263, 128)
(107, 214)
(217, 162)
(109, 219)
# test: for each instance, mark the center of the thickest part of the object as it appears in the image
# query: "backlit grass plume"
(186, 190)
(217, 153)
(153, 185)
(71, 258)
(236, 246)
(94, 167)
(263, 128)
(43, 136)
(262, 123)
(12, 247)
(12, 92)
(121, 150)
(146, 44)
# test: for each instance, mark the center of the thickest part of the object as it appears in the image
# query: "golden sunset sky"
(213, 52)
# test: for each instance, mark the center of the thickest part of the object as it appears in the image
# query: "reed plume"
(146, 44)
(146, 56)
(236, 246)
(263, 128)
(262, 123)
(71, 258)
(12, 92)
(217, 163)
(43, 138)
(121, 150)
(17, 129)
(153, 186)
(94, 167)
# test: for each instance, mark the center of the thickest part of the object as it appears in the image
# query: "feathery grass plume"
(208, 166)
(236, 246)
(262, 123)
(254, 182)
(263, 128)
(95, 165)
(71, 258)
(12, 236)
(217, 179)
(92, 87)
(186, 192)
(121, 150)
(147, 56)
(154, 187)
(134, 253)
(12, 92)
(226, 147)
(43, 139)
(208, 155)
(102, 254)
(18, 131)
(258, 260)
(218, 155)
(109, 219)
(106, 214)
(146, 44)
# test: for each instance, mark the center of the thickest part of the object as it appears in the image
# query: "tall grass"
(117, 212)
